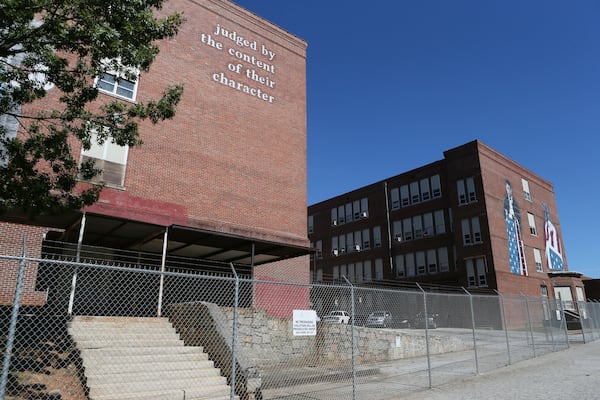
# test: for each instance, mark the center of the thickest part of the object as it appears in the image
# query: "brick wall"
(11, 244)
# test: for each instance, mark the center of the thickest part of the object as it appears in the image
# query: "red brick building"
(226, 178)
(474, 219)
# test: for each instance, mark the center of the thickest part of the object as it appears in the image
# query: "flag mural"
(553, 247)
(512, 217)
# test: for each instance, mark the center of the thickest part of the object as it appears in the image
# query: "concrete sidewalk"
(569, 374)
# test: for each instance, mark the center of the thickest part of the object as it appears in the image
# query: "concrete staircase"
(143, 358)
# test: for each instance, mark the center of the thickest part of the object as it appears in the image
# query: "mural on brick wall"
(512, 217)
(553, 248)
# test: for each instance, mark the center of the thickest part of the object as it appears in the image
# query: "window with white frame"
(377, 236)
(471, 190)
(404, 196)
(532, 228)
(407, 229)
(368, 271)
(466, 232)
(415, 195)
(400, 272)
(108, 157)
(395, 197)
(428, 224)
(379, 269)
(335, 250)
(118, 80)
(366, 240)
(526, 192)
(431, 261)
(334, 216)
(421, 266)
(409, 262)
(442, 254)
(436, 188)
(476, 230)
(476, 274)
(417, 226)
(425, 192)
(397, 230)
(537, 256)
(440, 224)
(461, 192)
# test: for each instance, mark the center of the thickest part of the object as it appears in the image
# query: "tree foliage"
(60, 46)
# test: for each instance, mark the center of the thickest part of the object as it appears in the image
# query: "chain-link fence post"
(352, 313)
(77, 259)
(163, 265)
(505, 323)
(474, 332)
(530, 323)
(234, 330)
(10, 340)
(426, 334)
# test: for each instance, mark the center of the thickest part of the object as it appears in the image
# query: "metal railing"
(394, 339)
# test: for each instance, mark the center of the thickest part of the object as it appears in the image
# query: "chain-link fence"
(123, 328)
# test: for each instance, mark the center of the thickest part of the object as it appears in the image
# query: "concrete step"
(115, 353)
(167, 395)
(117, 342)
(101, 368)
(195, 386)
(206, 376)
(126, 357)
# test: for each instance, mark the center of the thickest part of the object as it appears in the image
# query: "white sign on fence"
(304, 323)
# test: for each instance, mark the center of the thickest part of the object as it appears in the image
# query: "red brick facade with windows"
(448, 241)
(233, 160)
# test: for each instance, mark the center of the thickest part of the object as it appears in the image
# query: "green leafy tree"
(61, 46)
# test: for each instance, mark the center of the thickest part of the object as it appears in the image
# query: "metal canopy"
(183, 241)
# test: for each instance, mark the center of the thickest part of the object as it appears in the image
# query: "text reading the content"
(251, 69)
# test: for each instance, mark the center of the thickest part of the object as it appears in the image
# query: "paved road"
(569, 374)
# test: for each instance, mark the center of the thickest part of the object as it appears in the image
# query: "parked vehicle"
(379, 319)
(337, 317)
(419, 321)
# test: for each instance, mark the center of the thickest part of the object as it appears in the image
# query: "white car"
(337, 317)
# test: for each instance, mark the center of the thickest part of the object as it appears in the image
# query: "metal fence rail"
(111, 330)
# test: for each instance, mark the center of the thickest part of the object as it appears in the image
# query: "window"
(334, 246)
(431, 261)
(526, 192)
(440, 225)
(415, 196)
(11, 126)
(349, 242)
(407, 227)
(476, 274)
(377, 236)
(336, 273)
(356, 209)
(357, 241)
(110, 158)
(112, 84)
(379, 269)
(400, 272)
(532, 228)
(395, 197)
(421, 268)
(310, 224)
(397, 229)
(341, 213)
(319, 277)
(409, 262)
(436, 189)
(471, 190)
(351, 276)
(366, 239)
(364, 207)
(460, 190)
(465, 189)
(442, 253)
(359, 272)
(368, 271)
(425, 192)
(476, 229)
(418, 226)
(348, 212)
(404, 197)
(537, 256)
(428, 224)
(466, 231)
(318, 245)
(334, 216)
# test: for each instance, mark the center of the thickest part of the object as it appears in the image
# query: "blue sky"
(421, 77)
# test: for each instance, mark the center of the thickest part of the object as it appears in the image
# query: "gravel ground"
(569, 374)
